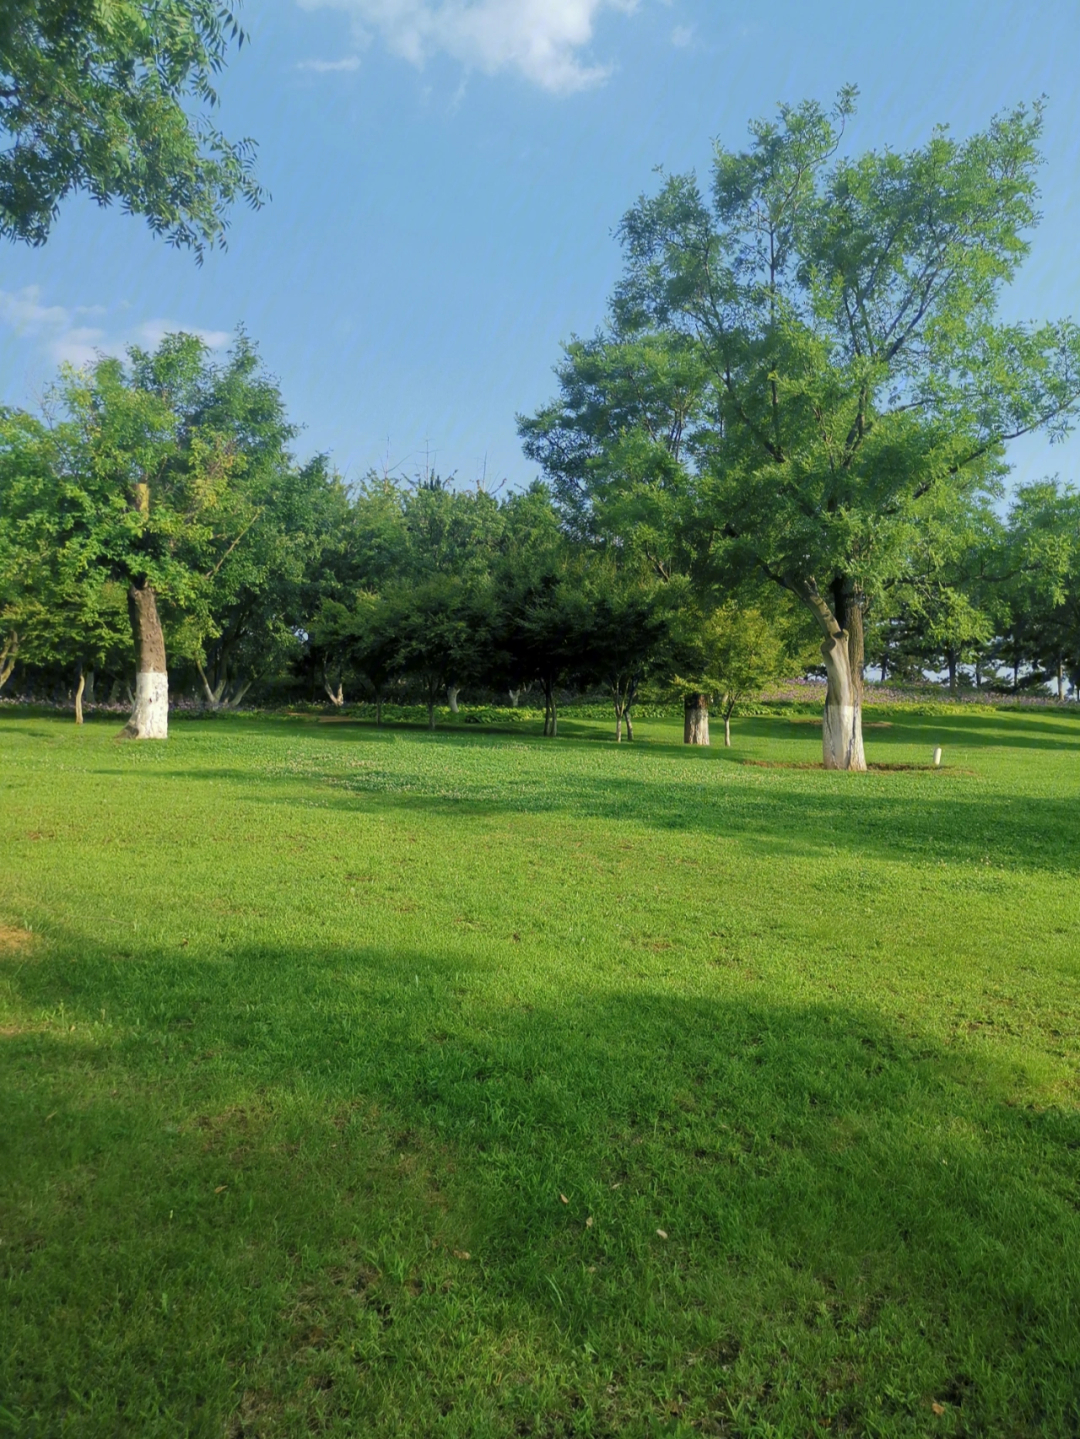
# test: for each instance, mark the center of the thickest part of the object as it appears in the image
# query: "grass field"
(472, 1084)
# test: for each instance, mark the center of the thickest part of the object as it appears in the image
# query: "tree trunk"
(629, 726)
(79, 694)
(618, 725)
(452, 692)
(150, 715)
(378, 711)
(213, 693)
(88, 694)
(515, 695)
(950, 659)
(842, 651)
(9, 653)
(1061, 679)
(696, 719)
(727, 731)
(978, 672)
(336, 696)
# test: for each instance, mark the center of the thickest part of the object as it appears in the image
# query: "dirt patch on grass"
(871, 768)
(16, 943)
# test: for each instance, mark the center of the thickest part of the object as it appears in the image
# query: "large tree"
(846, 309)
(152, 475)
(97, 96)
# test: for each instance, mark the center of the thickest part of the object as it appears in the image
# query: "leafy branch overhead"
(97, 95)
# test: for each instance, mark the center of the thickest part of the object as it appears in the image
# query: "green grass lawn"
(472, 1084)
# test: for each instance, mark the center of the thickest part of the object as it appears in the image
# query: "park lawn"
(472, 1084)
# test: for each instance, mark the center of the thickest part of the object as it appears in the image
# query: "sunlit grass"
(472, 1084)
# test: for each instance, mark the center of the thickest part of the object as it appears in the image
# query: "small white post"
(937, 757)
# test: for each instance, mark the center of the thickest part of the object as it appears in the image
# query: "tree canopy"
(97, 95)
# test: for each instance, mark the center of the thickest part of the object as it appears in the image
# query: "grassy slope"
(316, 1026)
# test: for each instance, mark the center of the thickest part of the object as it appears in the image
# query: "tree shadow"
(921, 814)
(760, 1213)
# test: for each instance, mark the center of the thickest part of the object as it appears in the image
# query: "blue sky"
(446, 176)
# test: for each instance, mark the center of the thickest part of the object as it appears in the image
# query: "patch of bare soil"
(801, 764)
(15, 943)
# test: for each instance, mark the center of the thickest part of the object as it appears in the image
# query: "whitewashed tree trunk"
(842, 651)
(150, 715)
(452, 692)
(79, 694)
(696, 720)
(727, 731)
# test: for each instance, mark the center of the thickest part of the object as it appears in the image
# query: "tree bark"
(842, 651)
(150, 715)
(452, 692)
(696, 719)
(9, 653)
(629, 727)
(79, 694)
(727, 731)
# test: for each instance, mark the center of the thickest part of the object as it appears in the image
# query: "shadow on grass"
(366, 1191)
(771, 807)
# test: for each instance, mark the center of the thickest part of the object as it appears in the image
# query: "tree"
(626, 635)
(146, 477)
(847, 311)
(96, 96)
(60, 607)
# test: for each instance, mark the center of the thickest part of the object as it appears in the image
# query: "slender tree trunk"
(79, 694)
(1061, 678)
(950, 657)
(842, 651)
(9, 653)
(515, 695)
(335, 694)
(213, 695)
(629, 726)
(91, 679)
(727, 730)
(696, 719)
(452, 692)
(150, 715)
(618, 724)
(978, 672)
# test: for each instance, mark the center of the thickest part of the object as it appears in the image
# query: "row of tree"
(795, 419)
(156, 509)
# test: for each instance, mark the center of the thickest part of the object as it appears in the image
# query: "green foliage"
(846, 313)
(96, 96)
(735, 653)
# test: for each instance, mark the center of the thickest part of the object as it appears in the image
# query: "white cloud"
(151, 333)
(62, 335)
(682, 35)
(329, 67)
(544, 40)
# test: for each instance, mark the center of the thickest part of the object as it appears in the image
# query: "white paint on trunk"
(150, 716)
(452, 692)
(841, 730)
